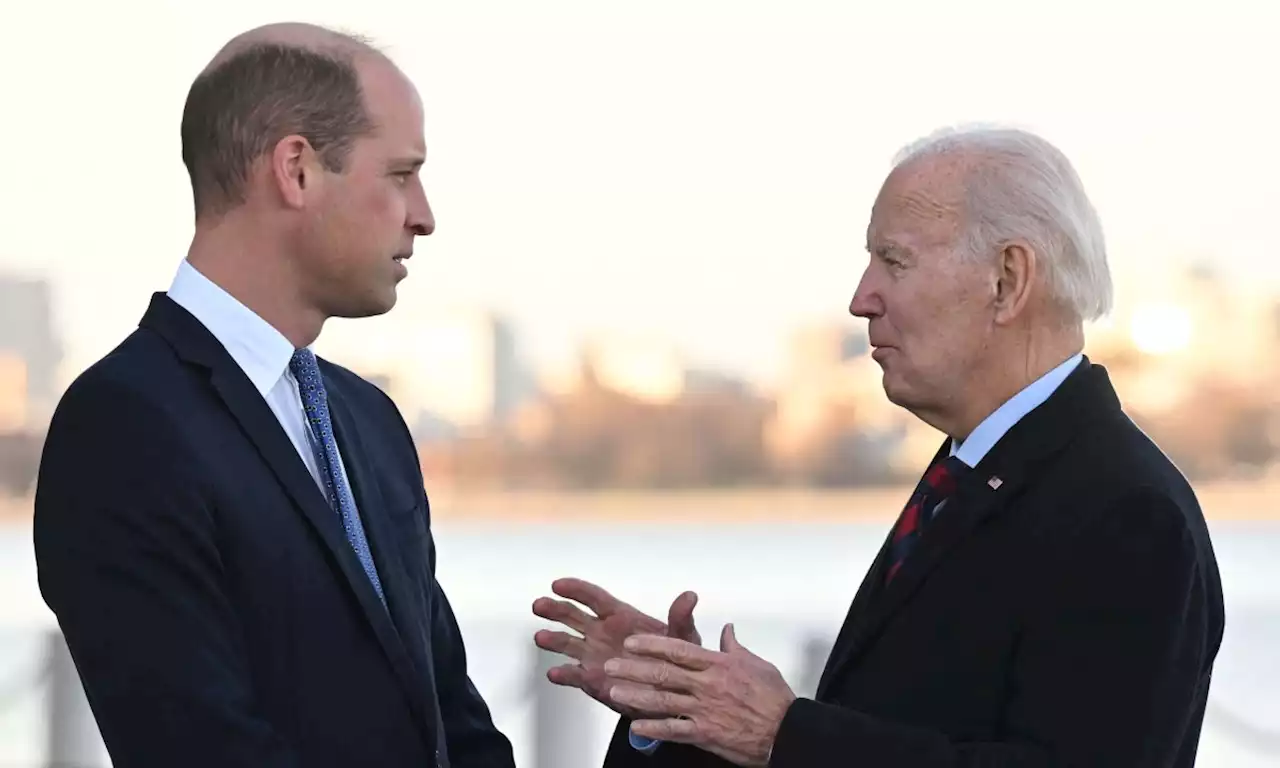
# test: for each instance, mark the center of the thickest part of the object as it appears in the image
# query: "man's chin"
(368, 306)
(894, 390)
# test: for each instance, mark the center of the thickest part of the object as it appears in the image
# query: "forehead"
(394, 105)
(920, 205)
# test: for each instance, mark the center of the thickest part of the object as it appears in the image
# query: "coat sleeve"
(474, 741)
(128, 560)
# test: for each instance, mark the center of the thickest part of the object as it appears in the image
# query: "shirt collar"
(260, 350)
(988, 433)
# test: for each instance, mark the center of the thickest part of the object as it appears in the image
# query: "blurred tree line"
(595, 438)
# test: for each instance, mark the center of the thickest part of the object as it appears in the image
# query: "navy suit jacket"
(1064, 610)
(210, 600)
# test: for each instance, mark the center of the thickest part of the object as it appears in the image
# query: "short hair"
(240, 108)
(1022, 187)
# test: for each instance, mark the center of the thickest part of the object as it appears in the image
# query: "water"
(781, 584)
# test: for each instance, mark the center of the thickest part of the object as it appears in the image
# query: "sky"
(685, 169)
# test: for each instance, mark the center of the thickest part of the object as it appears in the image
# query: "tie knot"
(942, 477)
(304, 368)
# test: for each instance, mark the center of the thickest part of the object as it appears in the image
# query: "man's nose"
(421, 219)
(866, 300)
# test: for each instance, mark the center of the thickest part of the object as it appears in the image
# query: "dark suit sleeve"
(474, 741)
(1108, 672)
(126, 547)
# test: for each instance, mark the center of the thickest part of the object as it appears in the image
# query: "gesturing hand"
(601, 635)
(729, 703)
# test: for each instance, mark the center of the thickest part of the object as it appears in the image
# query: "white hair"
(1024, 188)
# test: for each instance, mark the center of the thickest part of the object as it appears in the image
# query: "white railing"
(787, 607)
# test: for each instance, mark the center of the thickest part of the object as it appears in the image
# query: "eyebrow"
(889, 249)
(409, 161)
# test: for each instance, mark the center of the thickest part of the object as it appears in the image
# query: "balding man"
(232, 533)
(1049, 594)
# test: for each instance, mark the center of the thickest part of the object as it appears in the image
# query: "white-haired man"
(1049, 594)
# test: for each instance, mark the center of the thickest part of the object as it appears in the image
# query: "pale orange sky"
(696, 170)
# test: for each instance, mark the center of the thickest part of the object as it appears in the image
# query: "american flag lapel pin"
(995, 482)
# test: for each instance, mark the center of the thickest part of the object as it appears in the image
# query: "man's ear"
(294, 170)
(1016, 272)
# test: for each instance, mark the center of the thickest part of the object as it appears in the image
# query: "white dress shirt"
(262, 352)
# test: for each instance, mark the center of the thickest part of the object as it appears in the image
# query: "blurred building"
(466, 373)
(832, 416)
(30, 353)
(1194, 360)
(13, 393)
(645, 368)
(1183, 328)
(649, 369)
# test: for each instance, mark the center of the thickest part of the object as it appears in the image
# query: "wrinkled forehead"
(920, 205)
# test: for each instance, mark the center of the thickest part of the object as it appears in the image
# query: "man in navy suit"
(233, 534)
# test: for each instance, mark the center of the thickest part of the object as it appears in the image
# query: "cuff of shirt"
(642, 744)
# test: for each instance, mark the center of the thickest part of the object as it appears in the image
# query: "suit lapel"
(852, 621)
(372, 505)
(194, 344)
(401, 609)
(984, 493)
(855, 621)
(974, 502)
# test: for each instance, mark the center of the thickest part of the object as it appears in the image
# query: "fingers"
(597, 599)
(563, 612)
(729, 641)
(561, 642)
(652, 701)
(678, 652)
(670, 729)
(680, 618)
(570, 675)
(656, 673)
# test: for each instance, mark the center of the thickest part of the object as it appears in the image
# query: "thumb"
(729, 641)
(680, 618)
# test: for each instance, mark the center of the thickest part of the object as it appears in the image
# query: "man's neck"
(260, 283)
(1004, 379)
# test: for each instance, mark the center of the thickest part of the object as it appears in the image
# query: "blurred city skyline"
(697, 172)
(636, 412)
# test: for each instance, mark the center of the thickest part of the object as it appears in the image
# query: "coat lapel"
(194, 344)
(871, 584)
(402, 608)
(974, 502)
(845, 641)
(984, 493)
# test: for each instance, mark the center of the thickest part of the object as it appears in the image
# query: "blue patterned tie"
(316, 405)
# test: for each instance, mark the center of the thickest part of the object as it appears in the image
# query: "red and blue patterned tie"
(315, 402)
(934, 488)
